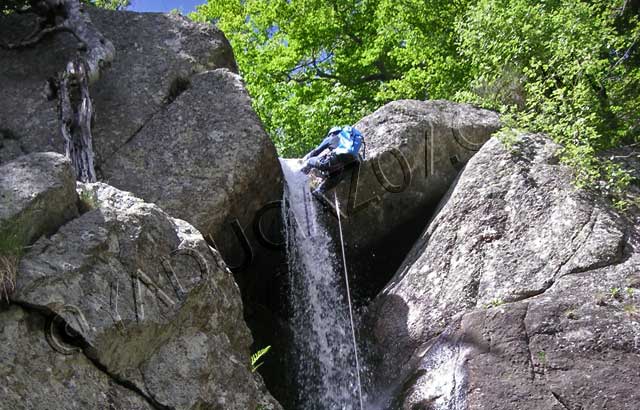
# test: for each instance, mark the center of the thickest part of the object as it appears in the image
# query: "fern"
(256, 356)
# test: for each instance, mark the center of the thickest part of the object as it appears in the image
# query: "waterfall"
(324, 354)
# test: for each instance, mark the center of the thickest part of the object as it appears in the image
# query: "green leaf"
(256, 357)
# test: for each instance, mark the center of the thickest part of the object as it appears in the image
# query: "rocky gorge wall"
(483, 277)
(173, 119)
(521, 293)
(139, 308)
(414, 150)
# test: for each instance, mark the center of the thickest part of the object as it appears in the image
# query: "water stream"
(324, 352)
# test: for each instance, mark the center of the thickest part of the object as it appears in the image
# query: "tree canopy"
(566, 67)
(570, 68)
(310, 64)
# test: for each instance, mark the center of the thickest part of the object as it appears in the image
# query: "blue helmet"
(334, 130)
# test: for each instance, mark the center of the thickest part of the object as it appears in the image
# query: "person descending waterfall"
(339, 150)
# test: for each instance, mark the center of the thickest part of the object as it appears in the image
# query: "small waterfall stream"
(325, 362)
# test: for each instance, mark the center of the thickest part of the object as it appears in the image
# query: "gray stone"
(36, 377)
(514, 233)
(414, 151)
(481, 361)
(173, 124)
(38, 195)
(170, 124)
(156, 56)
(205, 158)
(9, 146)
(152, 303)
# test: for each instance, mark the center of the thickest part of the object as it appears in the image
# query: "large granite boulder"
(173, 124)
(521, 293)
(414, 151)
(156, 56)
(205, 158)
(146, 299)
(36, 377)
(37, 195)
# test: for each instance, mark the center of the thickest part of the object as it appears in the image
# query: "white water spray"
(346, 281)
(327, 370)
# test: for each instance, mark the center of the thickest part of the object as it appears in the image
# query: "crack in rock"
(560, 400)
(528, 342)
(46, 314)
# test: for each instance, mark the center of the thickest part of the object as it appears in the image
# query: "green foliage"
(11, 248)
(509, 138)
(542, 357)
(256, 357)
(311, 64)
(494, 303)
(110, 4)
(8, 6)
(570, 68)
(615, 293)
(88, 201)
(630, 309)
(565, 67)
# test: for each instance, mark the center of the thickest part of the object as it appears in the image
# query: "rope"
(346, 280)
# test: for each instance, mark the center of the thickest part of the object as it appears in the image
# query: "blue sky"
(185, 6)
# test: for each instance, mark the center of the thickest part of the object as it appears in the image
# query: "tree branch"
(319, 74)
(99, 50)
(75, 109)
(625, 56)
(347, 27)
(35, 37)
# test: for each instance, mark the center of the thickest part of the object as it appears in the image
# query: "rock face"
(521, 293)
(36, 377)
(156, 56)
(148, 300)
(414, 151)
(37, 195)
(204, 158)
(9, 146)
(171, 125)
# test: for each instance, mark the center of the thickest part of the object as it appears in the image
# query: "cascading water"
(325, 356)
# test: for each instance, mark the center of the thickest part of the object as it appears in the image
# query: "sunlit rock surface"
(414, 151)
(521, 293)
(147, 300)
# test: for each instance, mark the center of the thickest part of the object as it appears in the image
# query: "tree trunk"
(74, 101)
